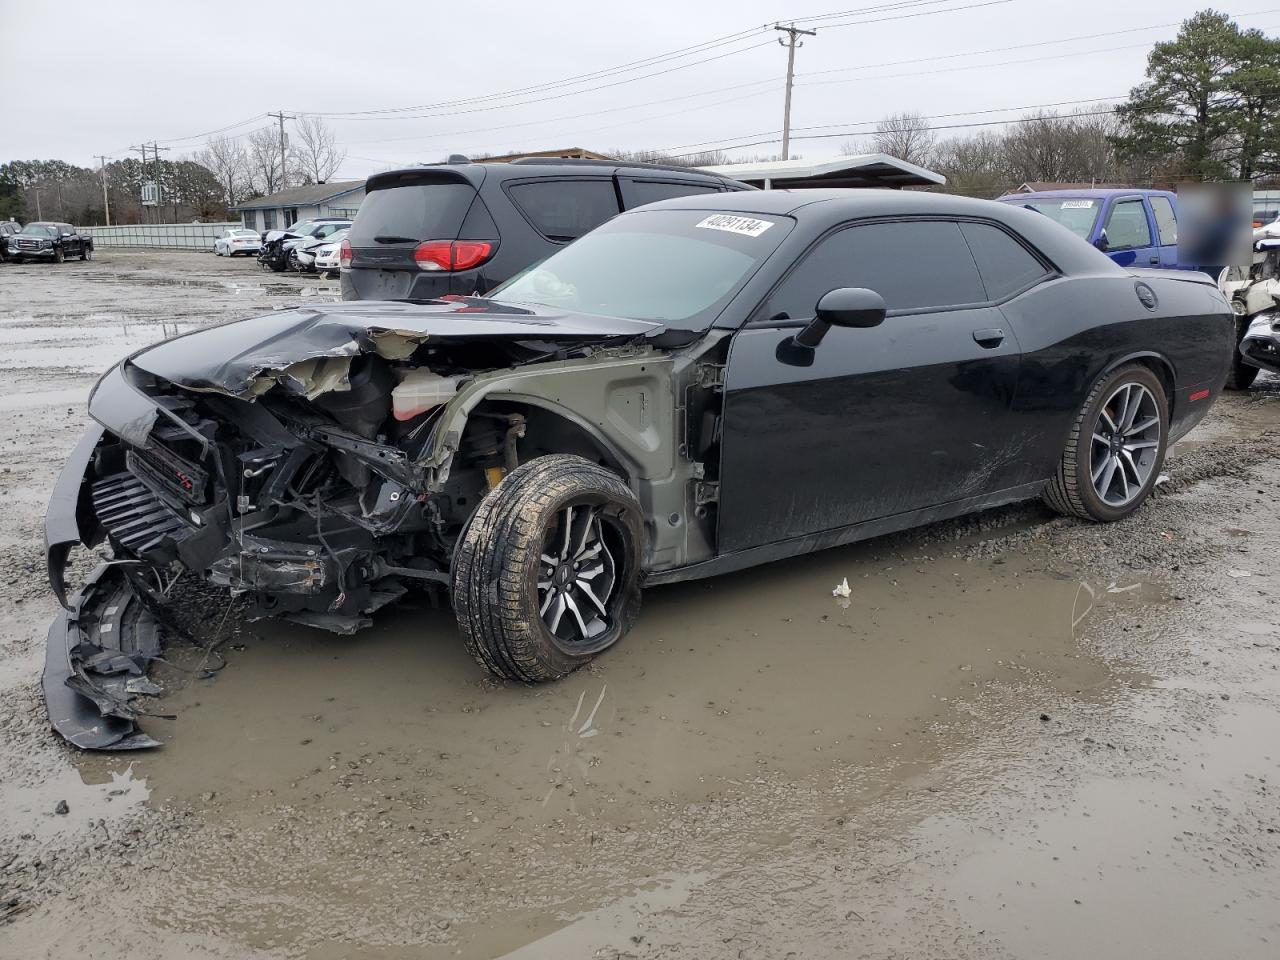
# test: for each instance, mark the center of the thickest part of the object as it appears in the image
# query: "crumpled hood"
(233, 357)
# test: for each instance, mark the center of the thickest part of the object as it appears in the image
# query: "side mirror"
(842, 307)
(1102, 243)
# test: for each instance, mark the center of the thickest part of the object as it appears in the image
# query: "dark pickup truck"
(50, 241)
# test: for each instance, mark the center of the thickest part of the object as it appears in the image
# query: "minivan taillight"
(449, 255)
(344, 254)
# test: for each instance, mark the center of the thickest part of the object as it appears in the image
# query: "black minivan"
(462, 228)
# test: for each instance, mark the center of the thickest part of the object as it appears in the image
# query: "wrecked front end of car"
(317, 463)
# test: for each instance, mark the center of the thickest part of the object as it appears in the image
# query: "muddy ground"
(1021, 737)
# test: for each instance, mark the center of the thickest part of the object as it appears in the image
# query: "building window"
(268, 219)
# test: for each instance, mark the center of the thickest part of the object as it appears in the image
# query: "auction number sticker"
(1077, 204)
(746, 226)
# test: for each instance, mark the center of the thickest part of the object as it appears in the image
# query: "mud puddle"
(719, 683)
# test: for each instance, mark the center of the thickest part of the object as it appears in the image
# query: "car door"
(872, 422)
(1130, 239)
(1166, 220)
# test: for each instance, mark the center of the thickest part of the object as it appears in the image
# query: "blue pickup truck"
(1135, 228)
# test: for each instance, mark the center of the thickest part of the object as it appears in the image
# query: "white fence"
(173, 236)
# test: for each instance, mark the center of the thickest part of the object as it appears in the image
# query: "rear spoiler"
(1186, 276)
(472, 174)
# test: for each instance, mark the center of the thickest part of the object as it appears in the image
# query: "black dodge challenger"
(695, 387)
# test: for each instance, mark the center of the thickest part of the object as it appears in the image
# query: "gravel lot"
(1022, 737)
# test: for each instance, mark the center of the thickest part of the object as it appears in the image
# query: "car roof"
(1099, 194)
(534, 167)
(846, 203)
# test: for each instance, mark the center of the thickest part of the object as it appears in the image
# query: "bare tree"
(316, 155)
(263, 151)
(229, 161)
(906, 136)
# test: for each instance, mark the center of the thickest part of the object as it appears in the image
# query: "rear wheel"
(1115, 450)
(547, 574)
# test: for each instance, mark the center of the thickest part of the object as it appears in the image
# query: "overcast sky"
(84, 77)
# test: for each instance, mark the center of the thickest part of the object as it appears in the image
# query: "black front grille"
(169, 474)
(134, 516)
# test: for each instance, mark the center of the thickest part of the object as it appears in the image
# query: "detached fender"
(69, 519)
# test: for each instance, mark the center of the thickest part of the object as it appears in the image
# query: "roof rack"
(639, 164)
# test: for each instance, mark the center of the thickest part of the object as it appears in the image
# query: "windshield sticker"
(1076, 204)
(746, 226)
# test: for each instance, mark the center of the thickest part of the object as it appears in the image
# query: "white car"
(327, 255)
(236, 241)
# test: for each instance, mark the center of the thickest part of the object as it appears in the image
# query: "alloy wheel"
(576, 577)
(1126, 444)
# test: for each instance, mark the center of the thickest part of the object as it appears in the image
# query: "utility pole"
(106, 204)
(281, 116)
(791, 42)
(155, 149)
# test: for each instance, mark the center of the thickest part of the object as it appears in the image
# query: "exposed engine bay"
(332, 462)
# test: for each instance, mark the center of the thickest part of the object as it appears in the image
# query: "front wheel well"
(545, 431)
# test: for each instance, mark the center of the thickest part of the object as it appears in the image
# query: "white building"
(339, 198)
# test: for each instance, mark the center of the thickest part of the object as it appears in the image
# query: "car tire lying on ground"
(547, 572)
(1115, 449)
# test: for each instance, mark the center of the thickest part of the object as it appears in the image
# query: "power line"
(723, 143)
(953, 126)
(387, 113)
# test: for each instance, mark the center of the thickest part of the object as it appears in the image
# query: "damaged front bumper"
(1260, 345)
(96, 662)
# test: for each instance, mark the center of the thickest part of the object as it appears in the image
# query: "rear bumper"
(368, 283)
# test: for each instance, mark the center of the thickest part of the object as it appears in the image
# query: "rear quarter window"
(565, 209)
(420, 211)
(1005, 265)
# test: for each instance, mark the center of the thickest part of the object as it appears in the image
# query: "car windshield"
(678, 267)
(301, 228)
(40, 230)
(1077, 214)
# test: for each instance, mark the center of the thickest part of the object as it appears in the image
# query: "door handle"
(989, 338)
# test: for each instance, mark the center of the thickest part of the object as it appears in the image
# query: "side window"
(565, 209)
(636, 193)
(1166, 222)
(1006, 266)
(914, 265)
(1127, 226)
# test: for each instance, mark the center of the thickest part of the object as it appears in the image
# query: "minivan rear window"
(422, 211)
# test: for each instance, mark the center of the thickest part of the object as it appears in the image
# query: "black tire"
(275, 265)
(58, 255)
(1242, 374)
(294, 265)
(1071, 491)
(86, 253)
(498, 562)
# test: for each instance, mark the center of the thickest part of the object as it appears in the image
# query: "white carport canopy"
(864, 170)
